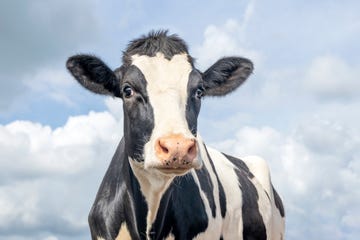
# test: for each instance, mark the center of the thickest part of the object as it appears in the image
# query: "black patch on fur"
(278, 202)
(208, 188)
(154, 42)
(226, 75)
(193, 101)
(181, 212)
(253, 224)
(222, 196)
(138, 114)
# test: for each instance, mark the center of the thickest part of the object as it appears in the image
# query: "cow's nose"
(176, 151)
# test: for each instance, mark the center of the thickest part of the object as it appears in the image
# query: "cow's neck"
(153, 185)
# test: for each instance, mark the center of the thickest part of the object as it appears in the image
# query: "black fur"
(208, 188)
(93, 74)
(154, 42)
(176, 211)
(138, 114)
(253, 224)
(113, 204)
(193, 102)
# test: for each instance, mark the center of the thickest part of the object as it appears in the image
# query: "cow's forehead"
(167, 90)
(163, 74)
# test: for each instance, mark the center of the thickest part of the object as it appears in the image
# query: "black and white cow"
(163, 181)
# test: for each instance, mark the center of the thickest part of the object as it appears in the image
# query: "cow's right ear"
(94, 74)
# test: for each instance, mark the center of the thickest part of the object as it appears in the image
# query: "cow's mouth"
(174, 171)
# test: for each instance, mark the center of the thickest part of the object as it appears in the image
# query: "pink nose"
(176, 151)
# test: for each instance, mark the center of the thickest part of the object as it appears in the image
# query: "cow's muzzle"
(176, 153)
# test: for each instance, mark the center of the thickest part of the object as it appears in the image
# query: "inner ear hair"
(243, 70)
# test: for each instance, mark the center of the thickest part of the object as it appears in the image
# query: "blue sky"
(299, 110)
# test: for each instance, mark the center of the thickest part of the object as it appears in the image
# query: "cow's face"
(161, 103)
(161, 100)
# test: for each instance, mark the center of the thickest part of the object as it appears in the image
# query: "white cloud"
(49, 177)
(227, 40)
(330, 77)
(31, 148)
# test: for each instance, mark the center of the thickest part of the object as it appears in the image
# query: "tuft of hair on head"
(156, 41)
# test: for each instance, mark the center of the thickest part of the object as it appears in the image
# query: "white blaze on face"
(167, 82)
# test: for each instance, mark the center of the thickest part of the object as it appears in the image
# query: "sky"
(299, 109)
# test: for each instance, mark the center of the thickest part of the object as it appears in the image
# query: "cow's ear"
(226, 75)
(94, 74)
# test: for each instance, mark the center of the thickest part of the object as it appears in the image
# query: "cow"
(163, 182)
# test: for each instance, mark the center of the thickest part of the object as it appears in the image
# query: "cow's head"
(161, 92)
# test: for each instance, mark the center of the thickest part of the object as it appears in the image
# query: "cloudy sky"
(300, 109)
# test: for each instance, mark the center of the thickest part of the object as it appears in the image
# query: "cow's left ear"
(94, 75)
(226, 75)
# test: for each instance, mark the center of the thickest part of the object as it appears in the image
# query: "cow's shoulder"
(114, 205)
(260, 169)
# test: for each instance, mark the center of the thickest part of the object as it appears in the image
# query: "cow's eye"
(199, 92)
(128, 91)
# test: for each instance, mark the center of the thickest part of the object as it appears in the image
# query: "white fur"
(260, 169)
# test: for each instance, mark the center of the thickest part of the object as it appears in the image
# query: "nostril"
(192, 149)
(164, 149)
